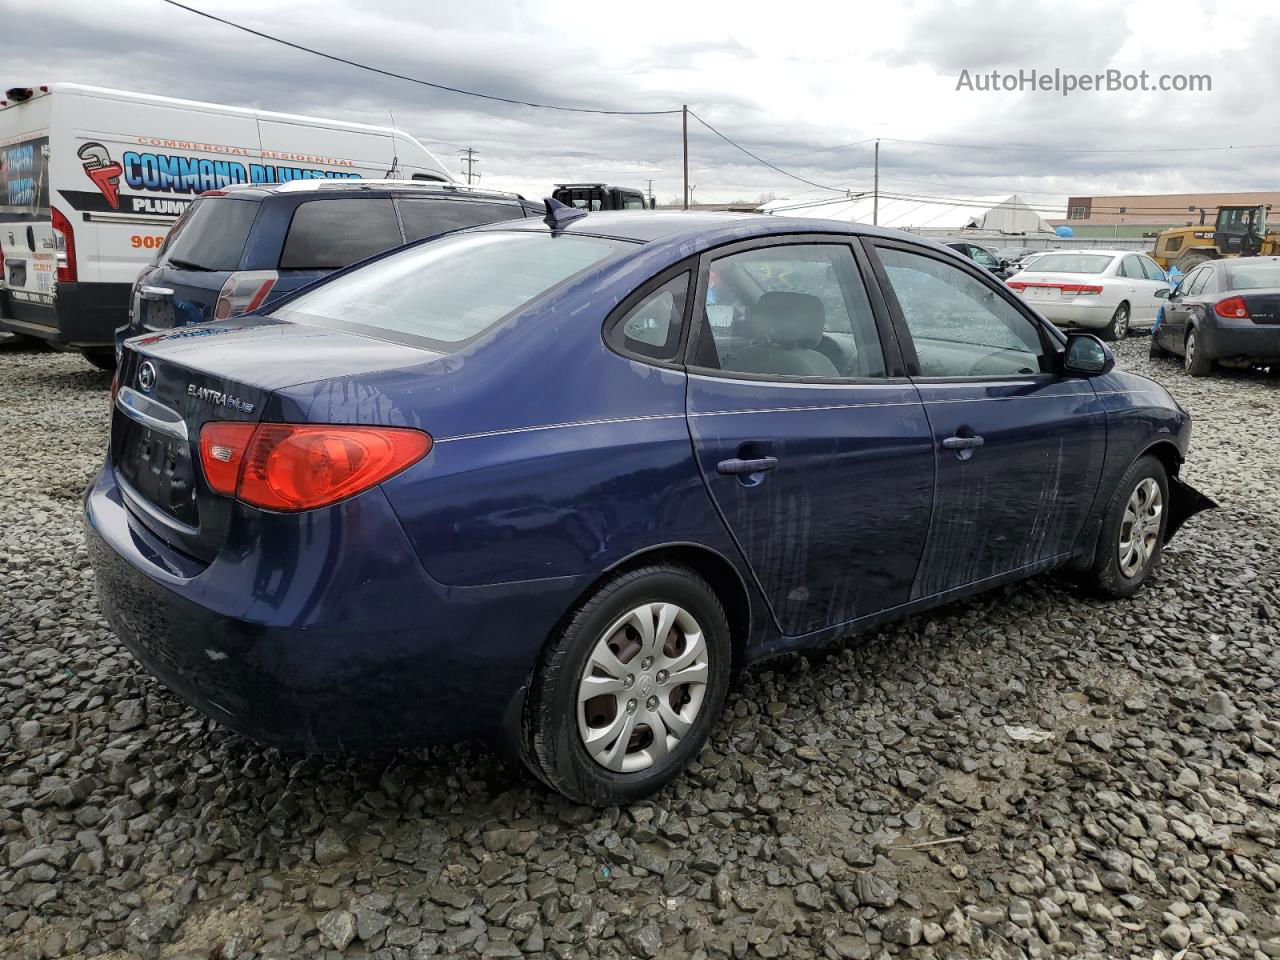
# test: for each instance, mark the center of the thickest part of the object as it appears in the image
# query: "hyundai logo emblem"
(146, 376)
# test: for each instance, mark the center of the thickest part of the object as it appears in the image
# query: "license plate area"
(157, 314)
(160, 470)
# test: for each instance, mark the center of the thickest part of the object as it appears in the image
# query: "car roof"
(703, 229)
(357, 186)
(1101, 253)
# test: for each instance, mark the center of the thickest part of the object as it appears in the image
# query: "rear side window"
(651, 329)
(1153, 270)
(430, 218)
(443, 293)
(211, 234)
(328, 234)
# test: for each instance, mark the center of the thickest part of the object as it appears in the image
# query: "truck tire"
(1192, 259)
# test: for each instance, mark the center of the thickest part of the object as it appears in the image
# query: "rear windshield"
(211, 235)
(1253, 276)
(449, 290)
(1073, 263)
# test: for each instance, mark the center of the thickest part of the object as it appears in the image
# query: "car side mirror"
(1087, 356)
(1164, 293)
(1004, 264)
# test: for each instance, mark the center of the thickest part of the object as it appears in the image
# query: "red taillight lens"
(222, 449)
(1079, 290)
(244, 292)
(1233, 308)
(283, 466)
(64, 242)
(1017, 286)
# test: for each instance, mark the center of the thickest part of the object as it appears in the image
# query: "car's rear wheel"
(1132, 535)
(628, 690)
(1194, 359)
(1118, 328)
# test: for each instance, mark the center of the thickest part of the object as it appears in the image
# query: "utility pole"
(470, 158)
(650, 193)
(684, 129)
(875, 202)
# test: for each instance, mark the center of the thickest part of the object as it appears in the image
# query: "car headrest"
(792, 320)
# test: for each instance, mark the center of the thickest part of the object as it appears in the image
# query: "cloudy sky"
(793, 83)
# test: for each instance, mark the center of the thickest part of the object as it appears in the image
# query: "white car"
(1104, 290)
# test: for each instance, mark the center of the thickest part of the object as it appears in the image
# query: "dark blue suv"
(239, 249)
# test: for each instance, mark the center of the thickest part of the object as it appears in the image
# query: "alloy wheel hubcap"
(1122, 322)
(1191, 350)
(642, 687)
(1140, 528)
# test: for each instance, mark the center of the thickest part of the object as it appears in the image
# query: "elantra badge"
(218, 398)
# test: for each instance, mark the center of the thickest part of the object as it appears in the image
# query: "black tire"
(553, 746)
(1190, 260)
(1194, 359)
(1107, 576)
(1118, 328)
(104, 358)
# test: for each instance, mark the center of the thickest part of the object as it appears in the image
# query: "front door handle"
(962, 443)
(739, 466)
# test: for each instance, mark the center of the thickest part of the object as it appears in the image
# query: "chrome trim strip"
(138, 219)
(142, 505)
(149, 413)
(148, 291)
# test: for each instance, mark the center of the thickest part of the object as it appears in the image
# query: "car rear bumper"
(1066, 314)
(81, 315)
(1259, 342)
(325, 649)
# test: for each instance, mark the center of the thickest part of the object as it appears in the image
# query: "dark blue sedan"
(554, 483)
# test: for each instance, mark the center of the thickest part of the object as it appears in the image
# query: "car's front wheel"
(1132, 535)
(1118, 328)
(628, 690)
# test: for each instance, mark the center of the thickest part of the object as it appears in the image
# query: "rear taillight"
(1080, 290)
(1017, 286)
(64, 244)
(285, 466)
(244, 292)
(1233, 308)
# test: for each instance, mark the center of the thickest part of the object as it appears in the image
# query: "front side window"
(427, 217)
(652, 328)
(1153, 270)
(982, 258)
(447, 291)
(792, 311)
(960, 326)
(328, 234)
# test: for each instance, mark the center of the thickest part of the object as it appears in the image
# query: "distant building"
(1141, 215)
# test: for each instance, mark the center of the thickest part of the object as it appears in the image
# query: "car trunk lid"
(171, 384)
(1263, 305)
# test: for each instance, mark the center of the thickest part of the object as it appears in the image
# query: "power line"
(759, 159)
(401, 76)
(838, 146)
(1054, 149)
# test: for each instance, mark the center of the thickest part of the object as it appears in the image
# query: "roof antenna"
(559, 214)
(395, 160)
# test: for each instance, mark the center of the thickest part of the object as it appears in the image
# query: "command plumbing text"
(173, 173)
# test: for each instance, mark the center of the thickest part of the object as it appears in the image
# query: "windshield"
(448, 290)
(210, 235)
(1253, 276)
(1073, 263)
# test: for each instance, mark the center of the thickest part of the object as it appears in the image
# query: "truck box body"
(91, 180)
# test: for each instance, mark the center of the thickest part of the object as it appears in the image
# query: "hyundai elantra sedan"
(555, 483)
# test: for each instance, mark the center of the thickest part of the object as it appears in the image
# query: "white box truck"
(91, 180)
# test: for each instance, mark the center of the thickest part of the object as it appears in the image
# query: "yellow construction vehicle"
(1238, 232)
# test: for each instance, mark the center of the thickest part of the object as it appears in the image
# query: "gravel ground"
(1028, 774)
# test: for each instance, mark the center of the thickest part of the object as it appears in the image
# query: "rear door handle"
(962, 443)
(738, 466)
